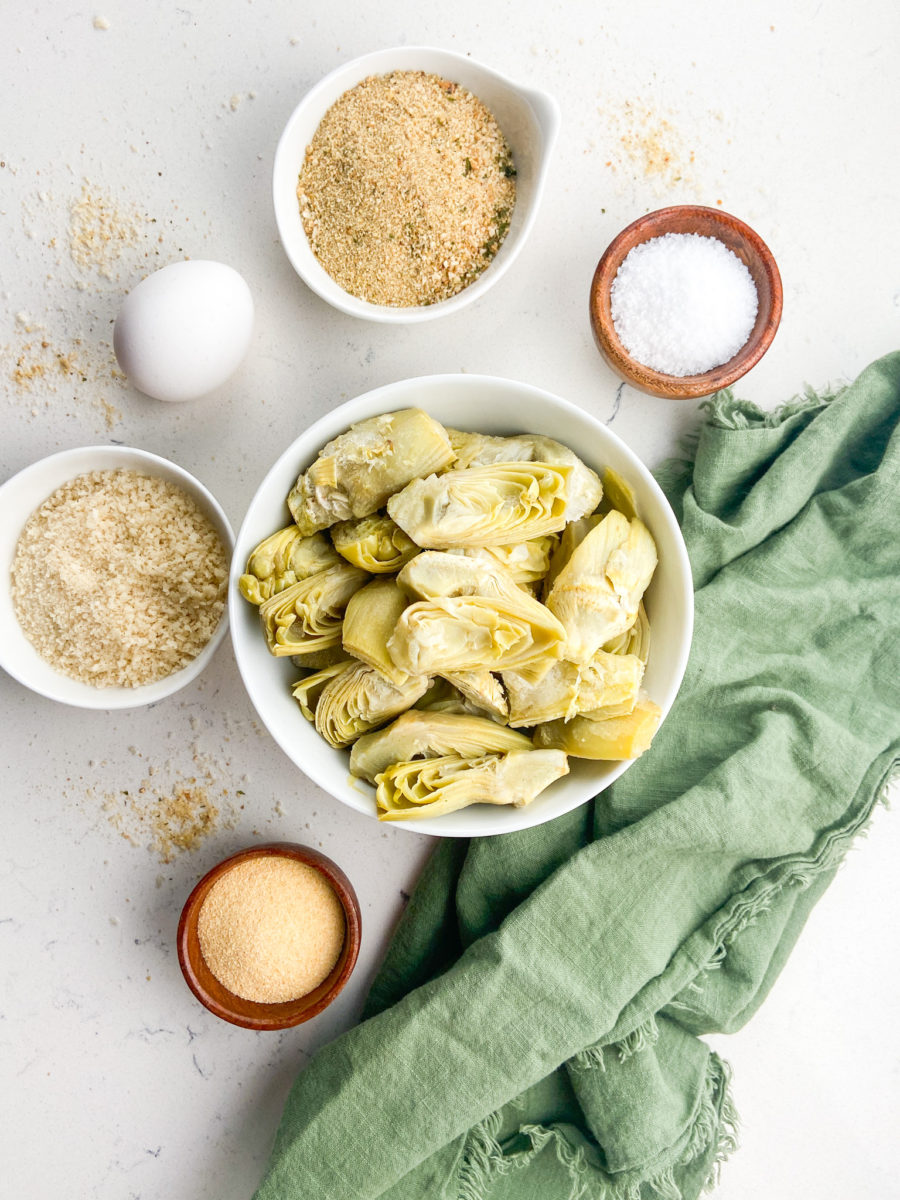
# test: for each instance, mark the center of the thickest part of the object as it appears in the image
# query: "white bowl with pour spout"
(529, 120)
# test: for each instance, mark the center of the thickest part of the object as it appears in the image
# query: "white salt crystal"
(683, 303)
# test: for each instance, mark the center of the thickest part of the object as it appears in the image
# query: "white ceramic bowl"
(487, 405)
(19, 497)
(528, 118)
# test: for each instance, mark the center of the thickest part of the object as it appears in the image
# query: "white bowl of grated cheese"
(25, 493)
(529, 120)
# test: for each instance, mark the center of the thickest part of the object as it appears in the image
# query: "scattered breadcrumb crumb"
(648, 141)
(169, 822)
(100, 229)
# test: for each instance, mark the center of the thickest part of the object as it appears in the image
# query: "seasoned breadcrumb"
(407, 189)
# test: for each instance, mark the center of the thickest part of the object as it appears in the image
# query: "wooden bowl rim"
(677, 387)
(248, 1013)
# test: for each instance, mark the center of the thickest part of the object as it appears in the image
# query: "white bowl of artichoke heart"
(448, 618)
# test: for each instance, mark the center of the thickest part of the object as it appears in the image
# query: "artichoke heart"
(483, 691)
(418, 734)
(635, 640)
(568, 689)
(432, 787)
(358, 699)
(585, 488)
(308, 690)
(357, 471)
(480, 450)
(283, 559)
(527, 562)
(571, 537)
(370, 619)
(611, 738)
(469, 633)
(436, 573)
(307, 616)
(618, 493)
(597, 593)
(375, 543)
(496, 505)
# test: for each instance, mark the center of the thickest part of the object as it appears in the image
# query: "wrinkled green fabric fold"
(535, 1031)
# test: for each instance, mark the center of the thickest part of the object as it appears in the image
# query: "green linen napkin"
(533, 1034)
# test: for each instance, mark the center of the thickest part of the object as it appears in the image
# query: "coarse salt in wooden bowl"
(737, 237)
(248, 1013)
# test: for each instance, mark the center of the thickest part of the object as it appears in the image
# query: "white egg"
(184, 330)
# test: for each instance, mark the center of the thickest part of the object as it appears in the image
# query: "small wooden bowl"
(708, 222)
(248, 1013)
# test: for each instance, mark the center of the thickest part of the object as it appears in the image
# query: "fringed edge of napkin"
(642, 1037)
(800, 872)
(713, 1129)
(727, 412)
(724, 410)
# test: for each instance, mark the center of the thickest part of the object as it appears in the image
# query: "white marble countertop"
(114, 1082)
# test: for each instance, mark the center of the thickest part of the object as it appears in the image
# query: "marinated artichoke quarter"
(431, 735)
(431, 787)
(308, 616)
(356, 473)
(283, 559)
(485, 506)
(352, 699)
(597, 593)
(474, 612)
(480, 450)
(370, 620)
(625, 736)
(375, 543)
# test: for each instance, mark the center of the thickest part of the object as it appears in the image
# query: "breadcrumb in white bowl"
(62, 671)
(529, 120)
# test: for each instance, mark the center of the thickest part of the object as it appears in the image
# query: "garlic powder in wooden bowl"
(407, 189)
(119, 579)
(271, 929)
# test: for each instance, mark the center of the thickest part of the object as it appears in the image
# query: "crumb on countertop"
(100, 229)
